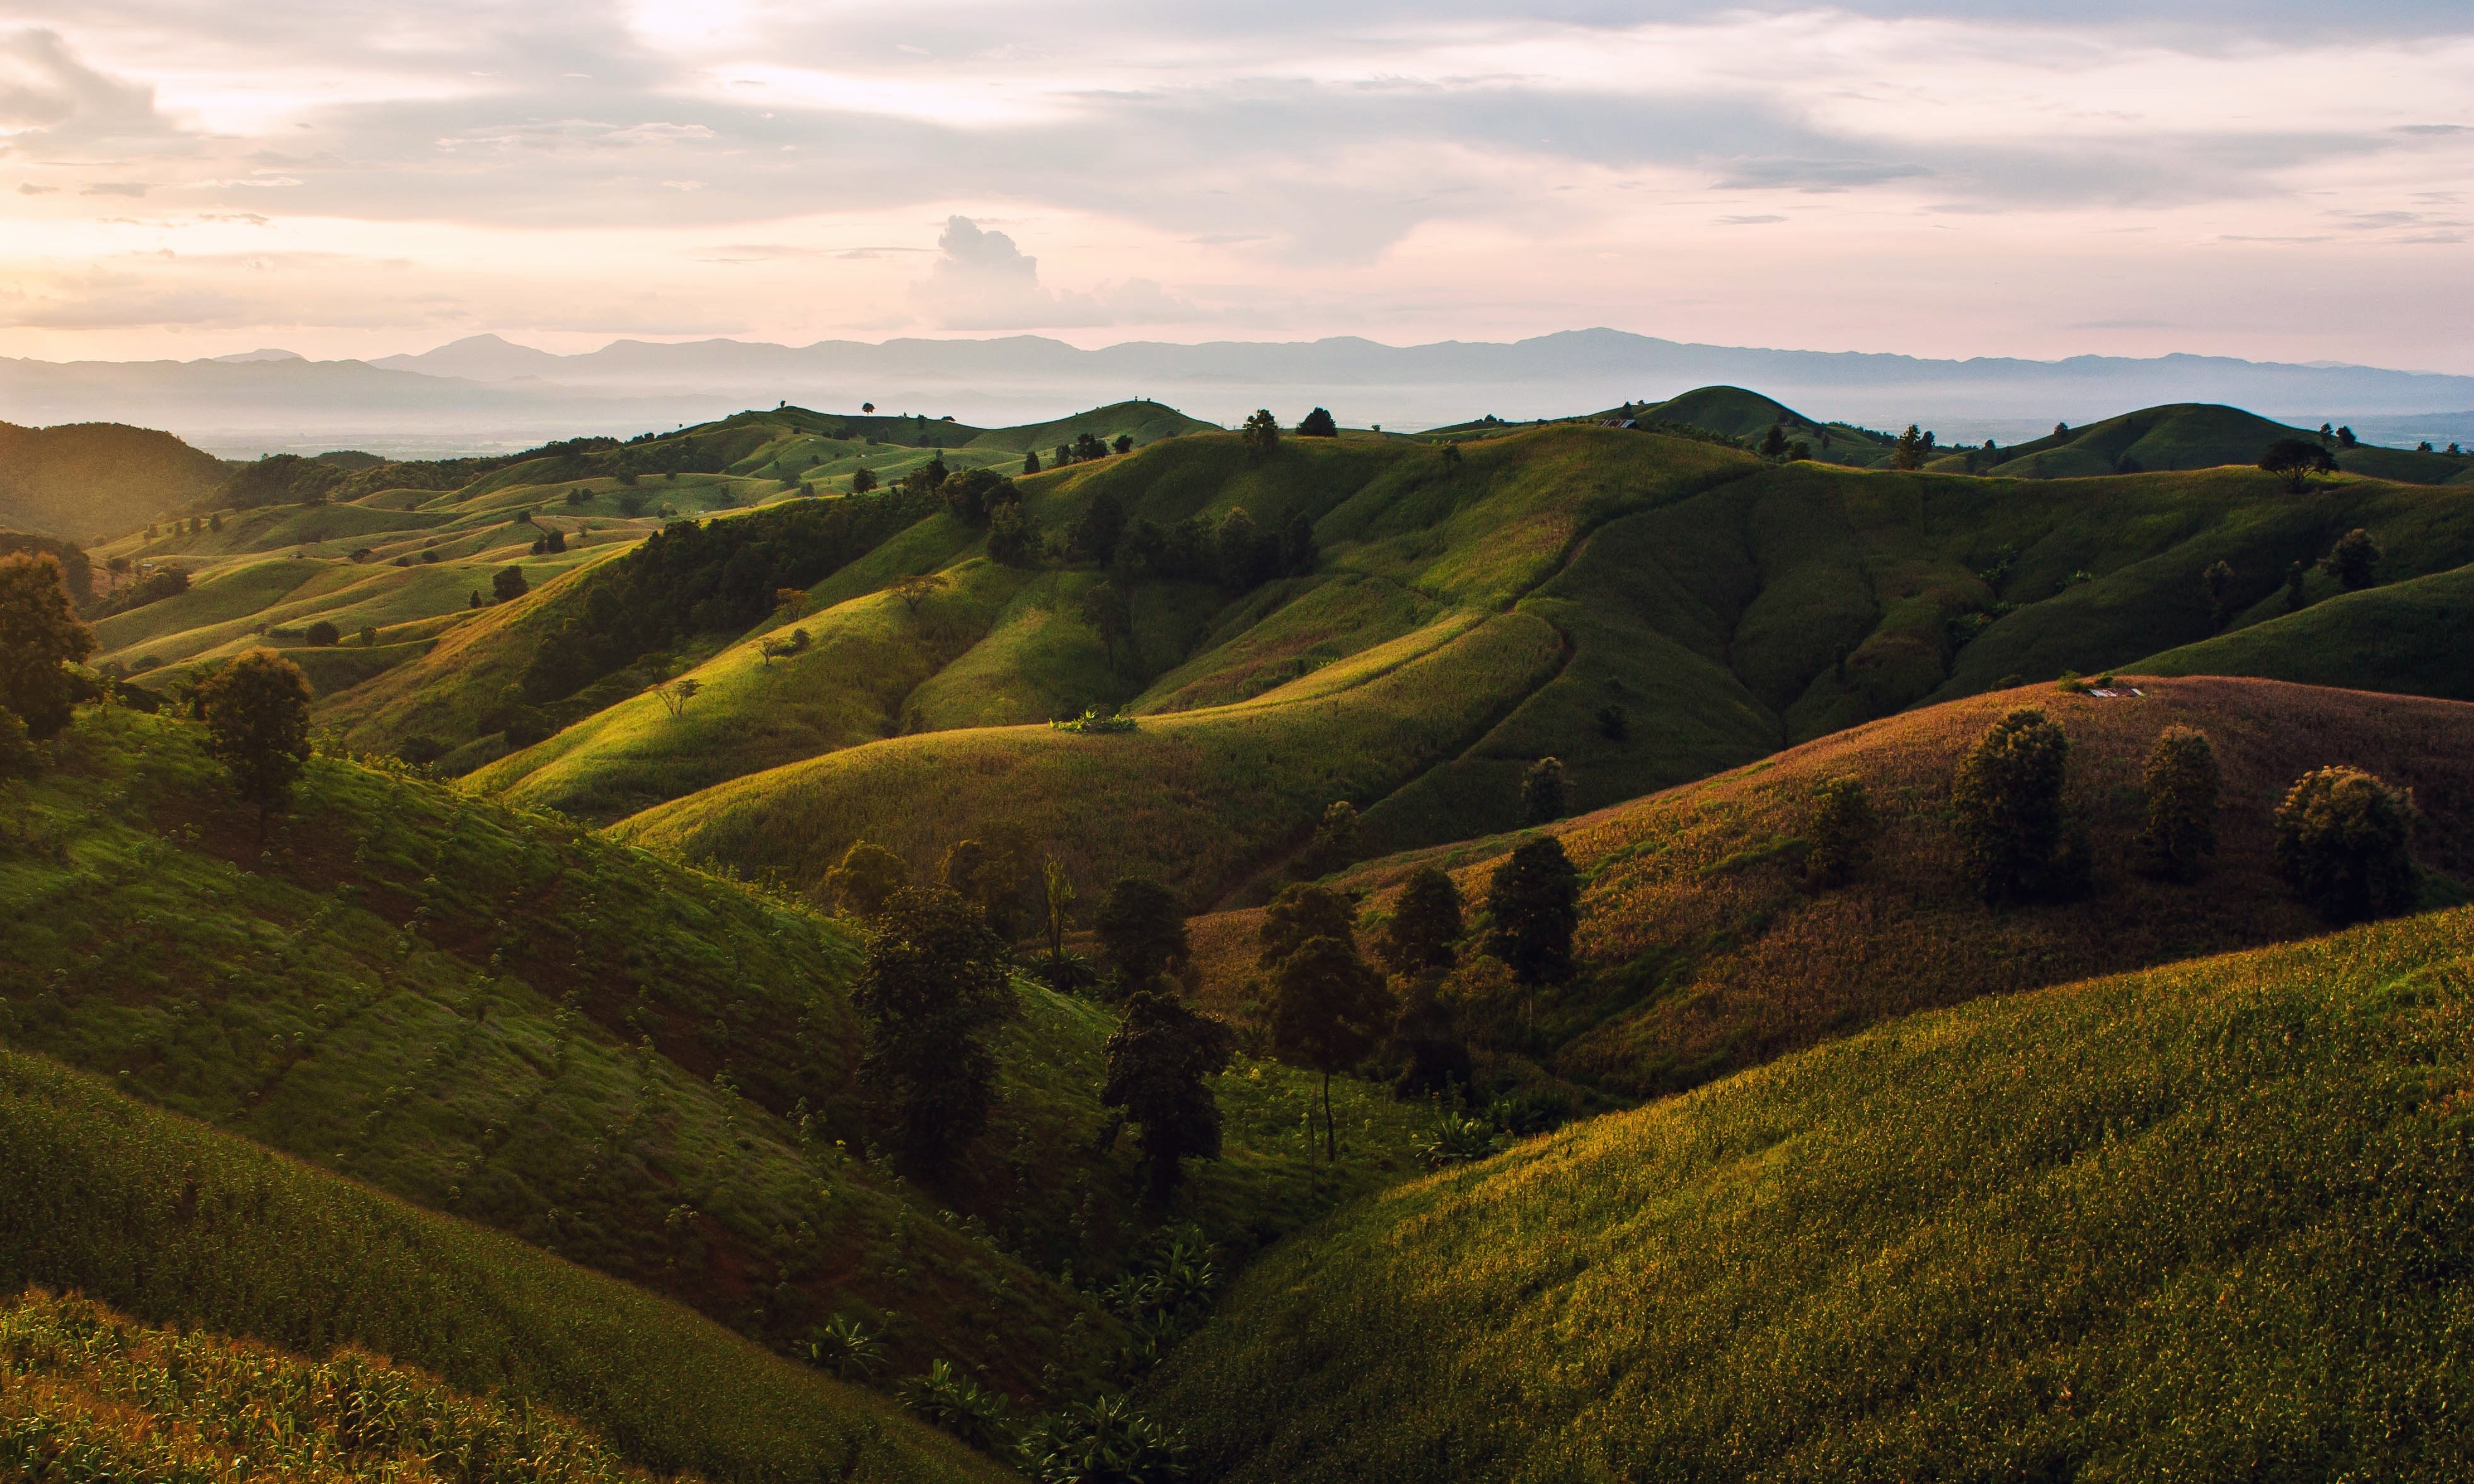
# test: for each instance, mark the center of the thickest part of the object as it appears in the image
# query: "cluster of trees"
(714, 577)
(1233, 552)
(1914, 447)
(1085, 448)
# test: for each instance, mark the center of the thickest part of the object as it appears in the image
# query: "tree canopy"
(256, 711)
(39, 633)
(933, 987)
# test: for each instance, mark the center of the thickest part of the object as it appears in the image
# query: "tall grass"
(2214, 1221)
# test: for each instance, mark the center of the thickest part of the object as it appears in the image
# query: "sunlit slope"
(1706, 954)
(2203, 1221)
(2416, 637)
(92, 480)
(178, 1224)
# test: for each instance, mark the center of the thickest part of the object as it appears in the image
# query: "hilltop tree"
(1141, 925)
(508, 583)
(1299, 913)
(2183, 784)
(1094, 535)
(2218, 582)
(1542, 791)
(1262, 433)
(866, 879)
(2346, 438)
(1111, 615)
(2341, 843)
(1329, 1011)
(39, 633)
(1909, 454)
(1533, 906)
(1317, 424)
(934, 989)
(1425, 923)
(2354, 560)
(1841, 830)
(1161, 1058)
(2008, 797)
(2298, 462)
(256, 711)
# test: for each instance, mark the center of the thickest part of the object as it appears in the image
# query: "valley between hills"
(1685, 941)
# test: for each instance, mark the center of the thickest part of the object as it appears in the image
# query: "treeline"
(716, 576)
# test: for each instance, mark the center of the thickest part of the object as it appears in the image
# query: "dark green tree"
(2298, 462)
(866, 879)
(508, 583)
(19, 757)
(2354, 560)
(2183, 784)
(1329, 1011)
(1542, 791)
(39, 633)
(1094, 535)
(1107, 610)
(1123, 442)
(322, 634)
(2342, 843)
(1910, 450)
(1841, 830)
(2007, 796)
(2296, 576)
(1298, 553)
(1161, 1060)
(1334, 843)
(1317, 424)
(1614, 724)
(863, 479)
(1262, 433)
(1774, 443)
(934, 989)
(1141, 925)
(256, 711)
(1031, 462)
(1425, 923)
(1298, 913)
(1531, 907)
(1426, 1044)
(2218, 582)
(1013, 540)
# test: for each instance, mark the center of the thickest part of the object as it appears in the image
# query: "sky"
(2274, 179)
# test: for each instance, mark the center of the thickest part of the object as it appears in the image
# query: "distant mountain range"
(485, 392)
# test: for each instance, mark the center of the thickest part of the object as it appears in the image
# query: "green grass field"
(2408, 637)
(2205, 1222)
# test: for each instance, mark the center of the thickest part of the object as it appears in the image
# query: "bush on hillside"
(1533, 906)
(2218, 582)
(2008, 799)
(39, 636)
(508, 584)
(1261, 433)
(1317, 424)
(1542, 791)
(2343, 839)
(866, 879)
(1334, 843)
(1839, 833)
(933, 988)
(322, 635)
(2354, 560)
(2183, 783)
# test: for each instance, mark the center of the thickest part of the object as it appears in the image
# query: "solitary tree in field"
(1111, 615)
(2298, 462)
(40, 632)
(1329, 1009)
(914, 589)
(322, 635)
(2008, 797)
(863, 479)
(2354, 560)
(1425, 923)
(1262, 433)
(1302, 912)
(508, 583)
(1161, 1060)
(1123, 442)
(866, 879)
(1841, 830)
(2341, 843)
(1451, 457)
(2183, 784)
(2218, 582)
(1774, 442)
(1317, 424)
(674, 694)
(1031, 462)
(1141, 926)
(256, 711)
(1910, 450)
(1533, 906)
(933, 989)
(1542, 791)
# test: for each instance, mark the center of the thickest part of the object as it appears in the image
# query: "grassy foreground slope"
(2208, 1222)
(92, 1395)
(1706, 953)
(178, 1224)
(2414, 636)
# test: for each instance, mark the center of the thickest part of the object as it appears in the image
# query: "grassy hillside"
(178, 1224)
(1144, 422)
(1706, 955)
(2410, 637)
(2204, 1222)
(90, 481)
(91, 1394)
(2187, 436)
(640, 1069)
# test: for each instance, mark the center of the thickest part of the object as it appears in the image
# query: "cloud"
(982, 280)
(115, 188)
(47, 95)
(1749, 221)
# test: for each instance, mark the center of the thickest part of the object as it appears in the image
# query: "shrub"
(2008, 799)
(508, 583)
(1101, 1442)
(957, 1404)
(2182, 788)
(1841, 830)
(19, 757)
(1542, 791)
(2354, 560)
(866, 878)
(2342, 844)
(322, 634)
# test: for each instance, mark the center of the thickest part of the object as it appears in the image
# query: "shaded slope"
(2414, 636)
(2199, 1222)
(1707, 955)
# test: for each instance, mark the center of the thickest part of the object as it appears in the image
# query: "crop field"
(2205, 1221)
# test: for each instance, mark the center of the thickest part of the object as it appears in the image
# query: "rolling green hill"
(2187, 436)
(2204, 1222)
(179, 1225)
(90, 480)
(1704, 953)
(2408, 637)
